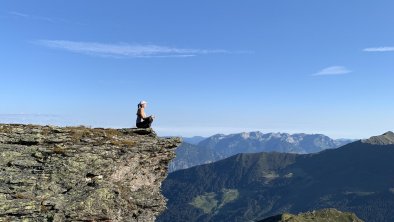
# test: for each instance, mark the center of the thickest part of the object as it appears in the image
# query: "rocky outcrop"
(324, 215)
(50, 173)
(385, 139)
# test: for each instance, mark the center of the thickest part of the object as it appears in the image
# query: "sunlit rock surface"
(50, 173)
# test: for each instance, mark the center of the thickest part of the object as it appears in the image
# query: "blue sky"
(204, 67)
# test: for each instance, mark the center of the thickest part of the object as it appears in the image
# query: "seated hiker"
(142, 120)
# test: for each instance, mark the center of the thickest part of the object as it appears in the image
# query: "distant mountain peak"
(245, 135)
(249, 135)
(385, 139)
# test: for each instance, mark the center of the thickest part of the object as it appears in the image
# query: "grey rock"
(50, 173)
(385, 139)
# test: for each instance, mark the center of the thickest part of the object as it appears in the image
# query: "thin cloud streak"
(379, 49)
(200, 131)
(332, 70)
(21, 115)
(34, 17)
(30, 118)
(19, 14)
(122, 50)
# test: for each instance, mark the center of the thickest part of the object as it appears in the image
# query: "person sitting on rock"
(142, 120)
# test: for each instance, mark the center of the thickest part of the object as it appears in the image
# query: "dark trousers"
(146, 123)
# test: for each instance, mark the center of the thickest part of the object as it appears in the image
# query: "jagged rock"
(50, 173)
(324, 215)
(385, 139)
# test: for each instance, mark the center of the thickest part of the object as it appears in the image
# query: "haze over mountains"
(198, 150)
(193, 140)
(357, 177)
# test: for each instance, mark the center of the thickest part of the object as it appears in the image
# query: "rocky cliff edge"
(50, 173)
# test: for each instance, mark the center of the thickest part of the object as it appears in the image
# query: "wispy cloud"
(34, 17)
(18, 115)
(125, 50)
(380, 49)
(201, 131)
(27, 118)
(333, 70)
(19, 14)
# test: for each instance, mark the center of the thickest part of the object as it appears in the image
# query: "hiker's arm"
(141, 113)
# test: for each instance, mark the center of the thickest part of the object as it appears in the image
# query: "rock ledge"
(50, 173)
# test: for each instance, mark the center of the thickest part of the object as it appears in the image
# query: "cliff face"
(52, 173)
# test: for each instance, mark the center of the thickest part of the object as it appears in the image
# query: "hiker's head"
(142, 104)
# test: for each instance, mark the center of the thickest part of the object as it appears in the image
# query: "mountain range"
(357, 177)
(199, 150)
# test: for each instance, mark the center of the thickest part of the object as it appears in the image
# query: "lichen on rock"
(50, 173)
